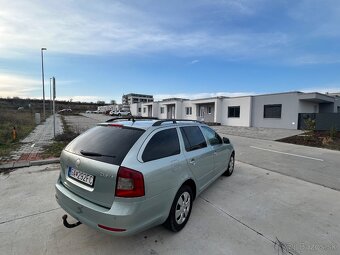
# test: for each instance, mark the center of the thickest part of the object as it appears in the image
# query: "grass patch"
(54, 150)
(24, 123)
(60, 141)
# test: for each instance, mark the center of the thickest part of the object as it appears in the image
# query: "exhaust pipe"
(68, 225)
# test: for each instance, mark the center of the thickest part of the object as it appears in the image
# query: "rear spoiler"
(133, 118)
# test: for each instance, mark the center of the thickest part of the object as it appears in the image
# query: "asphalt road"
(315, 165)
(252, 212)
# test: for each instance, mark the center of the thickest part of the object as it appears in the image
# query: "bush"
(310, 125)
(332, 132)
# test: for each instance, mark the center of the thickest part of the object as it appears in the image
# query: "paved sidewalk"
(32, 146)
(258, 133)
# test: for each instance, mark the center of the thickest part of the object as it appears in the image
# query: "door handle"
(215, 152)
(192, 161)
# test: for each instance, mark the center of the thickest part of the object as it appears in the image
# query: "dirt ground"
(321, 139)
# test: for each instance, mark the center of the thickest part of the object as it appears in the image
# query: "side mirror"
(226, 140)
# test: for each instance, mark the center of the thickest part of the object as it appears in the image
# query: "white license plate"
(80, 176)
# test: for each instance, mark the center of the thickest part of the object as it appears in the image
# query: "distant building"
(133, 98)
(133, 102)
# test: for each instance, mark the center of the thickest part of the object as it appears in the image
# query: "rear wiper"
(94, 154)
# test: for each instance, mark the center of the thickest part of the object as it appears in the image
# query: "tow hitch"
(68, 225)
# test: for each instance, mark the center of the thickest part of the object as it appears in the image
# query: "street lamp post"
(51, 96)
(43, 82)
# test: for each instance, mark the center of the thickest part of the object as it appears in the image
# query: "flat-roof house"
(279, 110)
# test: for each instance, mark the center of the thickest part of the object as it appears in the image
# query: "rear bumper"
(133, 217)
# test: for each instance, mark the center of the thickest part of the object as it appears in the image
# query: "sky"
(100, 50)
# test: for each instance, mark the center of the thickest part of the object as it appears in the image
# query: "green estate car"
(127, 175)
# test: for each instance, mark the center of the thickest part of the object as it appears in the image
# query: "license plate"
(80, 176)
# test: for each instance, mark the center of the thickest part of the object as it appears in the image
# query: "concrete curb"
(44, 162)
(20, 164)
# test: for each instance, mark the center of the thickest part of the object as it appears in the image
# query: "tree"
(101, 102)
(113, 101)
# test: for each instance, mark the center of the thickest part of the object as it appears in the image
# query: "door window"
(193, 138)
(211, 136)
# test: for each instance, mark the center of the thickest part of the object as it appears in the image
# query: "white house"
(280, 110)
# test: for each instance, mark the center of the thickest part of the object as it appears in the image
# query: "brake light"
(116, 125)
(130, 183)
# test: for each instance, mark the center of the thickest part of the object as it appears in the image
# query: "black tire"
(231, 165)
(176, 224)
(119, 114)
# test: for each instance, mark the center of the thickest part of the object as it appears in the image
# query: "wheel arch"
(191, 183)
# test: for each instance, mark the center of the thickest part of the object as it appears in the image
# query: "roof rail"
(133, 118)
(174, 121)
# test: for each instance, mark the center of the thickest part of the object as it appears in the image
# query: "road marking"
(290, 154)
(32, 145)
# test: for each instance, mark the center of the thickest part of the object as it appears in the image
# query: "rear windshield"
(105, 143)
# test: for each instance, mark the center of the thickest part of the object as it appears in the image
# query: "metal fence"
(323, 121)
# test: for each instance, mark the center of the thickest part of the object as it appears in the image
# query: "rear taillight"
(130, 183)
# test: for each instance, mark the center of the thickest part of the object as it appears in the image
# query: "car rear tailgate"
(103, 190)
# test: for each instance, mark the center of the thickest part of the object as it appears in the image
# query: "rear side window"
(105, 143)
(163, 144)
(193, 138)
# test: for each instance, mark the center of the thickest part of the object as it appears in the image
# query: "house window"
(162, 110)
(272, 111)
(233, 111)
(139, 109)
(188, 110)
(144, 109)
(209, 109)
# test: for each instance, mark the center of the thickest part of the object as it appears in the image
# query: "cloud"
(238, 7)
(195, 61)
(319, 18)
(117, 28)
(83, 98)
(15, 85)
(323, 89)
(228, 29)
(159, 97)
(315, 59)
